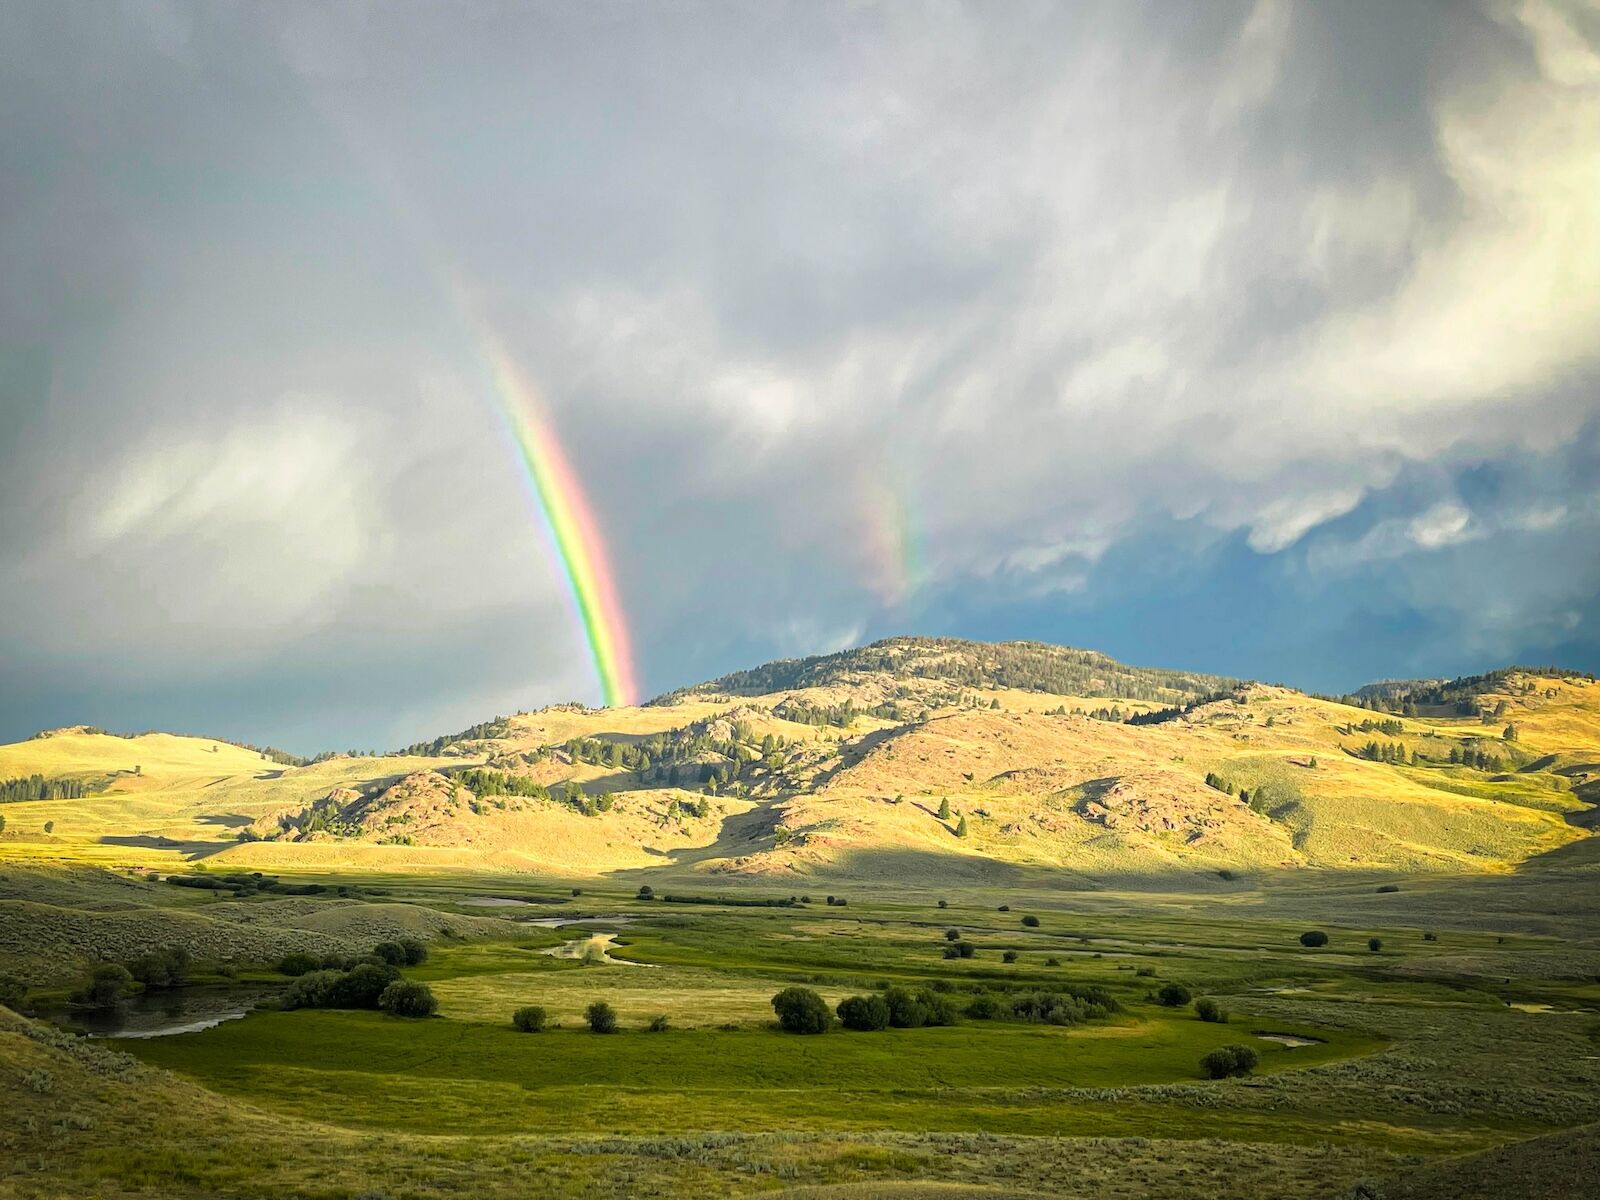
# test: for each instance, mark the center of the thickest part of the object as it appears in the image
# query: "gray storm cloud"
(1051, 276)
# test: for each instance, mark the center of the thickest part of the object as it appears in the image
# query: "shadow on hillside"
(226, 820)
(919, 870)
(193, 851)
(618, 781)
(853, 753)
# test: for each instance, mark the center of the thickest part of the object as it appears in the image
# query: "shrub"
(165, 968)
(601, 1016)
(1145, 973)
(938, 1008)
(528, 1019)
(800, 1010)
(944, 904)
(107, 986)
(1374, 944)
(646, 892)
(1005, 908)
(1052, 962)
(408, 998)
(1430, 937)
(1031, 921)
(952, 935)
(658, 1024)
(1173, 995)
(298, 963)
(1229, 1060)
(965, 949)
(314, 989)
(985, 1006)
(864, 1013)
(361, 986)
(1388, 887)
(416, 952)
(1313, 938)
(1057, 1008)
(905, 1010)
(1209, 1010)
(12, 990)
(1009, 956)
(392, 953)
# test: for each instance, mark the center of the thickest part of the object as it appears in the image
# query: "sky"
(1255, 338)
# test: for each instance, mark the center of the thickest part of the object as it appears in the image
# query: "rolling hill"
(912, 757)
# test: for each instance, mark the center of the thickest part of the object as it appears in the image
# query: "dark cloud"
(1223, 335)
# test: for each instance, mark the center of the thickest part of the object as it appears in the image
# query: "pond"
(594, 948)
(1291, 1040)
(163, 1013)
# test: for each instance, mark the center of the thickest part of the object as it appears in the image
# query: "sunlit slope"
(1098, 797)
(80, 754)
(910, 757)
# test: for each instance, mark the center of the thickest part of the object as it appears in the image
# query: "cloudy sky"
(1258, 338)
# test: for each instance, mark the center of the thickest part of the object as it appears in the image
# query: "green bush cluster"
(359, 987)
(529, 1019)
(108, 986)
(1228, 1060)
(164, 968)
(801, 1010)
(408, 998)
(1209, 1010)
(1173, 995)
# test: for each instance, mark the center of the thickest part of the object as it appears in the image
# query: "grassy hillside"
(907, 759)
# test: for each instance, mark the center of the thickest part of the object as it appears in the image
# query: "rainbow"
(893, 539)
(553, 485)
(574, 535)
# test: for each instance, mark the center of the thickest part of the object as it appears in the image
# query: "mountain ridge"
(921, 756)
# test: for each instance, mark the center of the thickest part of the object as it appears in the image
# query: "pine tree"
(944, 809)
(961, 827)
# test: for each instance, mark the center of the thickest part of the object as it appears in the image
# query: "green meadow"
(1428, 1049)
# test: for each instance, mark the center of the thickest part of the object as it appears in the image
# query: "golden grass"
(1037, 791)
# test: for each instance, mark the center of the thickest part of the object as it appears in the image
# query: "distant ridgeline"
(282, 757)
(1460, 695)
(483, 731)
(37, 787)
(1026, 666)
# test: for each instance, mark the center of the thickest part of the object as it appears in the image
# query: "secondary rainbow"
(574, 534)
(893, 539)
